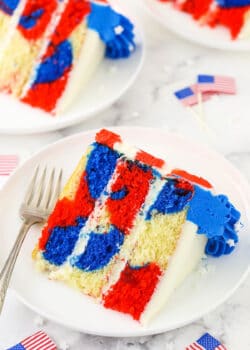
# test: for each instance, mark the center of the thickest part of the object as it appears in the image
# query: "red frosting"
(37, 32)
(107, 138)
(190, 177)
(133, 290)
(149, 159)
(136, 182)
(66, 211)
(45, 95)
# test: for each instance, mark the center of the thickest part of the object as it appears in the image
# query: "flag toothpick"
(203, 90)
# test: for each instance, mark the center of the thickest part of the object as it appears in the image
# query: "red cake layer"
(46, 95)
(232, 18)
(37, 31)
(72, 16)
(133, 290)
(135, 181)
(196, 8)
(66, 211)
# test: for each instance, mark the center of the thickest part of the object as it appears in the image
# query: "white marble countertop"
(168, 60)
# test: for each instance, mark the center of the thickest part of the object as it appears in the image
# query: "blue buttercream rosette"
(216, 217)
(116, 31)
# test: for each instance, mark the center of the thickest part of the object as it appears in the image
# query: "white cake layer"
(188, 254)
(91, 55)
(11, 23)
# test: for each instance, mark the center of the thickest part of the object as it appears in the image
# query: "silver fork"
(38, 203)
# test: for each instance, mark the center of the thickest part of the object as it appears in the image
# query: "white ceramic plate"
(183, 25)
(112, 79)
(199, 294)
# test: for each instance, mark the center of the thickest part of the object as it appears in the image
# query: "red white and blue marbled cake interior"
(126, 234)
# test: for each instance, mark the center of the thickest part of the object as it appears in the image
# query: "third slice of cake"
(126, 234)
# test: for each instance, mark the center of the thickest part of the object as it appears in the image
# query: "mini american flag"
(206, 342)
(7, 164)
(189, 95)
(216, 83)
(37, 341)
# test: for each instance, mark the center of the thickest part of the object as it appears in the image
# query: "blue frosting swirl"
(215, 217)
(232, 3)
(116, 31)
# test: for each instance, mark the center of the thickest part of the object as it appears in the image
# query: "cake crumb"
(167, 68)
(63, 345)
(170, 346)
(113, 69)
(206, 268)
(39, 321)
(135, 114)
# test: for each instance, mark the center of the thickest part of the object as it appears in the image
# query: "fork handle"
(6, 272)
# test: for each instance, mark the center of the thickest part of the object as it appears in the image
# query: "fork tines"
(44, 188)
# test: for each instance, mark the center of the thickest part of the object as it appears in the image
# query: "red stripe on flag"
(43, 345)
(220, 347)
(39, 341)
(33, 338)
(195, 346)
(220, 84)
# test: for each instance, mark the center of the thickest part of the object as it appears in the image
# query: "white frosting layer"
(245, 31)
(91, 55)
(127, 149)
(189, 252)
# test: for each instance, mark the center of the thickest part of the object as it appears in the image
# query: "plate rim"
(233, 45)
(142, 331)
